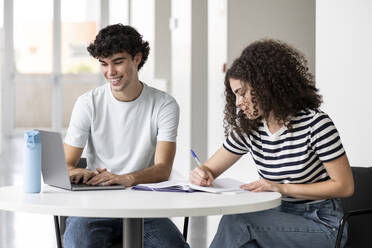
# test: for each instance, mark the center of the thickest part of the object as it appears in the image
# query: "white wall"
(235, 24)
(291, 21)
(189, 44)
(1, 82)
(217, 57)
(181, 79)
(344, 38)
(162, 42)
(143, 18)
(1, 68)
(232, 25)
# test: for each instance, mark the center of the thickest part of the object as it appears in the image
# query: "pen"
(196, 158)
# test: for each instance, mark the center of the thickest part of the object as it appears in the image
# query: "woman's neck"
(273, 124)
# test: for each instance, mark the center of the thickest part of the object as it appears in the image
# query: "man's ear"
(137, 59)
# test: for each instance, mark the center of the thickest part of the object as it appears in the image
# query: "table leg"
(133, 233)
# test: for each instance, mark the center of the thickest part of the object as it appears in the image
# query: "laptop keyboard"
(82, 185)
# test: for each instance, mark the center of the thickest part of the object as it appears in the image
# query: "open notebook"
(219, 185)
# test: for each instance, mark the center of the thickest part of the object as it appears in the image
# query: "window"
(45, 91)
(1, 13)
(79, 27)
(33, 41)
(118, 12)
(33, 106)
(33, 45)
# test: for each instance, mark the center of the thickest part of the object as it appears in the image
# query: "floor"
(19, 230)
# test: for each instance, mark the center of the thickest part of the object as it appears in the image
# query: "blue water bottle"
(32, 162)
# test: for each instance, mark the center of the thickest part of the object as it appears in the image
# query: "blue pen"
(196, 158)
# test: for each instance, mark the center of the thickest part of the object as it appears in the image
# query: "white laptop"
(54, 167)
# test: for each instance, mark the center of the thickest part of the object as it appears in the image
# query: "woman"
(272, 112)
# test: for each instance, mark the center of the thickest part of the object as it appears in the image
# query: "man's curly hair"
(280, 80)
(118, 38)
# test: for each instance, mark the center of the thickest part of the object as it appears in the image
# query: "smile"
(114, 80)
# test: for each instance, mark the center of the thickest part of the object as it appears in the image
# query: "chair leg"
(58, 232)
(185, 227)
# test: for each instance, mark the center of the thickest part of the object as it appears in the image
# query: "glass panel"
(1, 13)
(79, 27)
(33, 41)
(72, 88)
(33, 104)
(1, 44)
(118, 11)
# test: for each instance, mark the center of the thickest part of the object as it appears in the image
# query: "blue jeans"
(289, 225)
(103, 232)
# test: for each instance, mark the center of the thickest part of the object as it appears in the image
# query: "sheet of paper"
(164, 184)
(221, 185)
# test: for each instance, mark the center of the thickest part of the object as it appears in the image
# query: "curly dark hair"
(116, 39)
(280, 80)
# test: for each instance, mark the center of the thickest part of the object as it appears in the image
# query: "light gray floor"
(19, 230)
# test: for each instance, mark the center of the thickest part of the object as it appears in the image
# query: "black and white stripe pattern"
(294, 156)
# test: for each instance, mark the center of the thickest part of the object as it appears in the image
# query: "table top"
(130, 203)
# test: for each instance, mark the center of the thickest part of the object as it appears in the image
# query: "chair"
(60, 221)
(358, 211)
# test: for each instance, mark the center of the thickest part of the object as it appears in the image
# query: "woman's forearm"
(315, 191)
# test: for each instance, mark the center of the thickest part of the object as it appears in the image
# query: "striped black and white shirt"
(294, 156)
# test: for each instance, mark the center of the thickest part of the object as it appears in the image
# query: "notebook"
(220, 185)
(54, 168)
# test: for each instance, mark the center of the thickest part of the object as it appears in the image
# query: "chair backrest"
(82, 163)
(359, 232)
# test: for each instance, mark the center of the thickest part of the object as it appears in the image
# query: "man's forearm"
(152, 174)
(71, 167)
(72, 155)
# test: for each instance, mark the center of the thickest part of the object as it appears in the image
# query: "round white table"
(133, 205)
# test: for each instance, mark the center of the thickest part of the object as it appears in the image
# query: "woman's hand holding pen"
(202, 176)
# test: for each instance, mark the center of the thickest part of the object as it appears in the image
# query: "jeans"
(103, 232)
(289, 225)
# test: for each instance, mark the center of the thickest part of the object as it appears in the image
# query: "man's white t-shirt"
(122, 136)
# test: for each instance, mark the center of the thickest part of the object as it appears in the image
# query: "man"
(129, 130)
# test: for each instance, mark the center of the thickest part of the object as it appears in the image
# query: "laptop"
(54, 167)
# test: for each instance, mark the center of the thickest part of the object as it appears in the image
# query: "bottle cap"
(32, 138)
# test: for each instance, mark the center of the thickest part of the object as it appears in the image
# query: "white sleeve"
(79, 127)
(168, 119)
